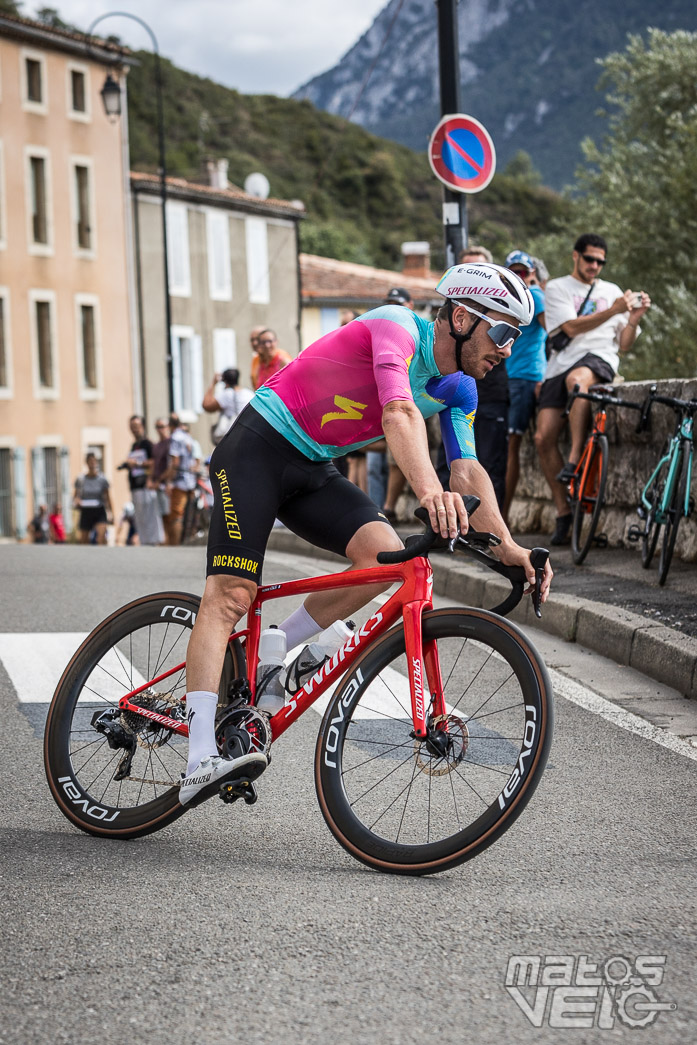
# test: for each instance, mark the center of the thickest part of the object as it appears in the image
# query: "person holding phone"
(603, 322)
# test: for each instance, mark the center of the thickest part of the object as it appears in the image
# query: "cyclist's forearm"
(405, 432)
(583, 324)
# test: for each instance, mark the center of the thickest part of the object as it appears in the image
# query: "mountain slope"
(528, 72)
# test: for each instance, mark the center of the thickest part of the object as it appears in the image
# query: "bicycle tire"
(592, 496)
(137, 642)
(673, 516)
(370, 715)
(652, 528)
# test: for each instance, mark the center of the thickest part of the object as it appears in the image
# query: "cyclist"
(381, 374)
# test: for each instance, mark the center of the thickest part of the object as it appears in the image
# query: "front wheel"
(652, 527)
(588, 501)
(407, 806)
(674, 513)
(116, 773)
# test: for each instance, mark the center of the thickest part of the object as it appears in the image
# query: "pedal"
(231, 790)
(634, 534)
(600, 540)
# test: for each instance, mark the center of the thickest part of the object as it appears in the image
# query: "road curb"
(649, 647)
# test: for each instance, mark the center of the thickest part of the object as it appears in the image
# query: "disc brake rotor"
(445, 748)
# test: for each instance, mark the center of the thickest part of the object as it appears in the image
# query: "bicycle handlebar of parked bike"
(607, 399)
(679, 405)
(474, 543)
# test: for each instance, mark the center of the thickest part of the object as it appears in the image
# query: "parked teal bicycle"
(666, 498)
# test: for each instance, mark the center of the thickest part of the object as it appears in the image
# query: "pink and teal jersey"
(329, 401)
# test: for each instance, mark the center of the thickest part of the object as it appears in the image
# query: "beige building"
(232, 265)
(67, 368)
(331, 288)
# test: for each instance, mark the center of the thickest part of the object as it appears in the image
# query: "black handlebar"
(681, 406)
(606, 397)
(476, 544)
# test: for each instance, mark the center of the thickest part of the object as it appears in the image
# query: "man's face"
(588, 264)
(474, 258)
(527, 275)
(266, 346)
(162, 430)
(137, 429)
(480, 354)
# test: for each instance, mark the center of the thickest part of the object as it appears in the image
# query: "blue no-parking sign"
(462, 154)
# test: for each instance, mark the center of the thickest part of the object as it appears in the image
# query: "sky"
(255, 46)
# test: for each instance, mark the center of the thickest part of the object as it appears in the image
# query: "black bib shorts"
(258, 476)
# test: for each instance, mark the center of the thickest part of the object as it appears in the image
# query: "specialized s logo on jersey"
(349, 410)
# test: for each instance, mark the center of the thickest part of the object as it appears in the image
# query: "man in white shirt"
(602, 324)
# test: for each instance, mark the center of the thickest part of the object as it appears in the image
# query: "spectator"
(56, 526)
(526, 368)
(145, 502)
(230, 400)
(127, 522)
(541, 273)
(94, 501)
(38, 528)
(395, 479)
(181, 467)
(268, 360)
(159, 477)
(602, 321)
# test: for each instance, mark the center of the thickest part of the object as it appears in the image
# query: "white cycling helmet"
(491, 286)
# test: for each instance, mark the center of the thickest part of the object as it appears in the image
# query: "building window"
(78, 94)
(52, 485)
(44, 343)
(4, 364)
(39, 214)
(6, 523)
(218, 241)
(89, 345)
(178, 250)
(224, 350)
(187, 370)
(82, 198)
(34, 80)
(257, 260)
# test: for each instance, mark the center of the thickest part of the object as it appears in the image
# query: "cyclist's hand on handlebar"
(514, 555)
(446, 513)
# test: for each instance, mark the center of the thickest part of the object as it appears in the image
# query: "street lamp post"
(111, 98)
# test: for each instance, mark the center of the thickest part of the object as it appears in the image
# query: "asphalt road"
(252, 925)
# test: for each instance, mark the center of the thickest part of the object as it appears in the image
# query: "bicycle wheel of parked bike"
(588, 501)
(411, 807)
(652, 528)
(114, 773)
(673, 516)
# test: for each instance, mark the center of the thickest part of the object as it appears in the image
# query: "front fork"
(425, 682)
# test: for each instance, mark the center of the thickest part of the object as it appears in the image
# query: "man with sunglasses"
(381, 375)
(602, 322)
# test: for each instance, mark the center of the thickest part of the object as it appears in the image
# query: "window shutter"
(19, 479)
(256, 235)
(219, 271)
(224, 350)
(38, 476)
(196, 374)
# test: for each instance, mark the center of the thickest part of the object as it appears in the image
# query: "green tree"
(10, 7)
(638, 190)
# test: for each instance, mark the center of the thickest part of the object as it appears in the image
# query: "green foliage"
(363, 195)
(638, 191)
(10, 7)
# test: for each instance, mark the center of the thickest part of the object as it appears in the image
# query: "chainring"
(241, 730)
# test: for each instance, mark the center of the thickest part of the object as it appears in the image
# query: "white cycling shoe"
(214, 770)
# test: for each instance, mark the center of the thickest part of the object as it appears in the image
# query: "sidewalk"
(609, 604)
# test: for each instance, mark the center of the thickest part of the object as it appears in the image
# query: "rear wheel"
(114, 773)
(406, 806)
(652, 527)
(674, 513)
(588, 501)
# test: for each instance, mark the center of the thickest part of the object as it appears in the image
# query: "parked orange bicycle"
(587, 485)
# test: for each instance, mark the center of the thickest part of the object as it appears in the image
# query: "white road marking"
(585, 698)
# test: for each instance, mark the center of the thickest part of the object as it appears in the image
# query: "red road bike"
(435, 733)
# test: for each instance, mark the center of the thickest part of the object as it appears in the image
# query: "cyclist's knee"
(372, 538)
(230, 597)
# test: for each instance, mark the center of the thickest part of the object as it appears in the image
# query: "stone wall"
(632, 458)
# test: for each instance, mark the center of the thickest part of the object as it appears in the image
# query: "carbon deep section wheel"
(409, 807)
(589, 502)
(117, 774)
(674, 514)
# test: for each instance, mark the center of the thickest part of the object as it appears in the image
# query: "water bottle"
(313, 656)
(272, 651)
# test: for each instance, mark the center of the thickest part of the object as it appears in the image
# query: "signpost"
(462, 154)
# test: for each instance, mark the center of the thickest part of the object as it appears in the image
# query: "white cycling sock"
(200, 714)
(299, 627)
